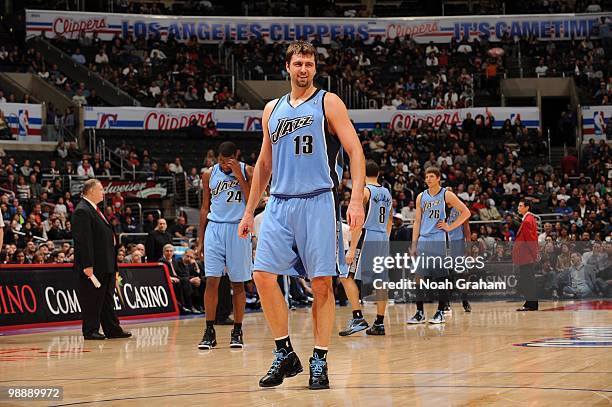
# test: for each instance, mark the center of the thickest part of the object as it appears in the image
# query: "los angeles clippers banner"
(141, 118)
(594, 122)
(271, 29)
(24, 120)
(47, 294)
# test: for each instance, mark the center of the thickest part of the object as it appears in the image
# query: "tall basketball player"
(458, 241)
(429, 239)
(370, 242)
(303, 132)
(226, 188)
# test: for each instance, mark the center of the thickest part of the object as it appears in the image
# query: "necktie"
(101, 214)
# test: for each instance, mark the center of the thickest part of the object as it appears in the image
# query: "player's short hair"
(88, 185)
(433, 170)
(526, 203)
(300, 47)
(227, 149)
(372, 169)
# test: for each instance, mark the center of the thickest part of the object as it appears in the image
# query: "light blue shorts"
(298, 237)
(223, 248)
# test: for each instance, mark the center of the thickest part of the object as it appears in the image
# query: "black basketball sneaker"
(418, 318)
(376, 329)
(209, 340)
(466, 306)
(318, 374)
(236, 340)
(354, 325)
(284, 365)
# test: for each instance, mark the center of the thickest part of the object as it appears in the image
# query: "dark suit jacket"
(525, 250)
(93, 241)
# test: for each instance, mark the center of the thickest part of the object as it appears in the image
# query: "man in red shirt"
(525, 255)
(569, 164)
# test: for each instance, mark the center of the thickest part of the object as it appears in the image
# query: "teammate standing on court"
(303, 132)
(226, 187)
(458, 241)
(429, 239)
(370, 242)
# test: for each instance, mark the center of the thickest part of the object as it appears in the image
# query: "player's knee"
(321, 287)
(238, 288)
(212, 283)
(264, 280)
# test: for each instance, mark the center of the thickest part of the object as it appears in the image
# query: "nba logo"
(252, 123)
(24, 122)
(599, 122)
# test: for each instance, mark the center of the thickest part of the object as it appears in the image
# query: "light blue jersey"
(224, 251)
(304, 154)
(433, 210)
(379, 209)
(457, 233)
(227, 200)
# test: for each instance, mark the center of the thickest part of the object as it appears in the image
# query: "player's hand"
(235, 166)
(413, 250)
(199, 251)
(355, 215)
(350, 256)
(246, 225)
(444, 226)
(88, 271)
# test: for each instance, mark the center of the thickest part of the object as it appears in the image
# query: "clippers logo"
(106, 120)
(287, 126)
(63, 26)
(599, 122)
(223, 186)
(24, 122)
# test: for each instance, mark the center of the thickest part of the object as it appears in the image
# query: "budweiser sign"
(64, 26)
(166, 121)
(135, 189)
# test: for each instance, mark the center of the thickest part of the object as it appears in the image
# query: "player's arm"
(340, 124)
(355, 232)
(390, 222)
(261, 174)
(464, 212)
(416, 226)
(466, 230)
(243, 182)
(204, 210)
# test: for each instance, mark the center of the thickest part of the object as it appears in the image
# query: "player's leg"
(211, 298)
(214, 266)
(378, 327)
(357, 323)
(239, 269)
(316, 241)
(239, 301)
(274, 256)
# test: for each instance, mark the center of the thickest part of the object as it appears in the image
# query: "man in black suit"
(94, 255)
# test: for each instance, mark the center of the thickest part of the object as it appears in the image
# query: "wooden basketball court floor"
(493, 356)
